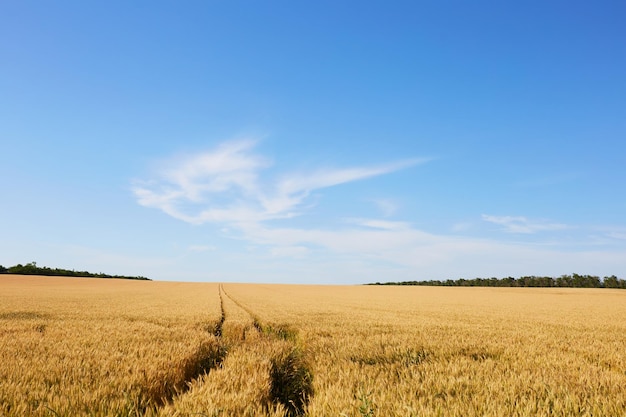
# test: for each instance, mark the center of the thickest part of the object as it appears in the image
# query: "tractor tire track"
(291, 378)
(209, 356)
(217, 332)
(255, 365)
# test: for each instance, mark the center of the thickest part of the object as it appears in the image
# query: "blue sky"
(314, 142)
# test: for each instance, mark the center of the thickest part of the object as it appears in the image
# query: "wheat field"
(96, 347)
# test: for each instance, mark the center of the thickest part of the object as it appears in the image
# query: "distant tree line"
(564, 281)
(31, 268)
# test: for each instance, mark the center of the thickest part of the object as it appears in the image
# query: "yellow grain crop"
(76, 346)
(428, 351)
(111, 347)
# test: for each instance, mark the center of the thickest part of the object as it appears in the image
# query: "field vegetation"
(32, 268)
(564, 281)
(76, 346)
(113, 347)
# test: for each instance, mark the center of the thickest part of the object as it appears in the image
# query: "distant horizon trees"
(31, 268)
(563, 281)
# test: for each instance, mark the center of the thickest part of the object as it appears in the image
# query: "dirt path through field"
(262, 372)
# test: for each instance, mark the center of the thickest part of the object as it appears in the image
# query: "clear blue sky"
(314, 142)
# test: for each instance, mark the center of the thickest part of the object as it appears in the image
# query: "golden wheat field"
(104, 347)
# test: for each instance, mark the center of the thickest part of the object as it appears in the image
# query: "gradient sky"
(314, 142)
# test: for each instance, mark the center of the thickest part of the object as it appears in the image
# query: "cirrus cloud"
(225, 185)
(520, 224)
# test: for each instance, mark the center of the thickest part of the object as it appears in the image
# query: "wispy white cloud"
(367, 237)
(610, 233)
(399, 251)
(380, 224)
(189, 188)
(329, 177)
(225, 186)
(520, 224)
(291, 190)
